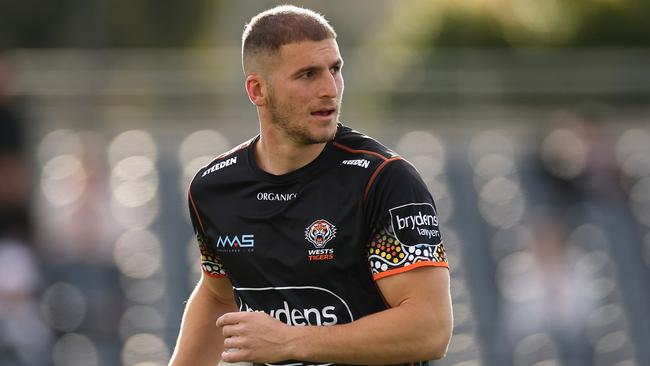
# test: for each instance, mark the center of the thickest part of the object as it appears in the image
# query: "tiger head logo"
(320, 232)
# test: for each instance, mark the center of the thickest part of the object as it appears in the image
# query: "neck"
(277, 154)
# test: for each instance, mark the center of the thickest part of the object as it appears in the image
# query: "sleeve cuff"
(395, 271)
(214, 275)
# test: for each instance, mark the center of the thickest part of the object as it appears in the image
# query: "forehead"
(294, 56)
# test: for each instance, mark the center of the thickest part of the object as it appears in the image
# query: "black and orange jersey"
(307, 247)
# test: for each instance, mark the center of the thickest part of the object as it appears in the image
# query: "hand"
(254, 337)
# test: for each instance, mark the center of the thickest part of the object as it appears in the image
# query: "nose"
(329, 88)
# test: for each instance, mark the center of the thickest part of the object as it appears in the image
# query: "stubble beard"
(295, 131)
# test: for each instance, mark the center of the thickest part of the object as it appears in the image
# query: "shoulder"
(386, 167)
(381, 163)
(225, 166)
(357, 144)
(225, 159)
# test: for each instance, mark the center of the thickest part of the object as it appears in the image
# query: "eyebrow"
(338, 63)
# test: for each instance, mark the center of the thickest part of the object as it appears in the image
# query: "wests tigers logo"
(320, 232)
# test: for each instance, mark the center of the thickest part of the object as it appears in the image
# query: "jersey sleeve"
(402, 219)
(210, 261)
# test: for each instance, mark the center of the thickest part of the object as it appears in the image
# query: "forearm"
(406, 333)
(200, 341)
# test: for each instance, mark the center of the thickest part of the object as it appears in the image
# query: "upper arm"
(403, 221)
(219, 288)
(426, 289)
(428, 284)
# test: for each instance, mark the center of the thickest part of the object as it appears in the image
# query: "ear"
(256, 89)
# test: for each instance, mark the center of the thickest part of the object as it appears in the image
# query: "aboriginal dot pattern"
(210, 264)
(386, 252)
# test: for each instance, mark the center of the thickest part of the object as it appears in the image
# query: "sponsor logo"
(306, 316)
(357, 162)
(323, 308)
(271, 196)
(235, 243)
(419, 219)
(220, 165)
(415, 223)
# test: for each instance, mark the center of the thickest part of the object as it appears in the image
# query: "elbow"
(437, 344)
(440, 337)
(438, 350)
(438, 353)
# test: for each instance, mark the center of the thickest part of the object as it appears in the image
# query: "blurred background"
(529, 121)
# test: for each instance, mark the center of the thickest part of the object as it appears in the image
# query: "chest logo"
(320, 232)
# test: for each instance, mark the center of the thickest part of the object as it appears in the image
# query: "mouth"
(326, 112)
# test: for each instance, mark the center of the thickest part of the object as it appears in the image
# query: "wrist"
(296, 345)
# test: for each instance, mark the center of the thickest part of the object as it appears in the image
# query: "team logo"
(320, 232)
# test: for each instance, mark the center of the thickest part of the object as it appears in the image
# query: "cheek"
(340, 84)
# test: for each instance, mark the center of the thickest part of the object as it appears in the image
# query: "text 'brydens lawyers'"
(413, 220)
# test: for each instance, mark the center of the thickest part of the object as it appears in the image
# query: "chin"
(326, 133)
(318, 137)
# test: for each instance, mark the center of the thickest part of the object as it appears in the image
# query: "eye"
(307, 75)
(335, 69)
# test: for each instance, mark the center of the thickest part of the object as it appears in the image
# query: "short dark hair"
(284, 24)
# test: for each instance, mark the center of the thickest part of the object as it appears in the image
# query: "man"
(329, 240)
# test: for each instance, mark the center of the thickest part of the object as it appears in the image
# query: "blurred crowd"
(548, 234)
(24, 337)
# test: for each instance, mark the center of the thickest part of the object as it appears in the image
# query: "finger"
(233, 318)
(236, 355)
(222, 320)
(231, 330)
(233, 342)
(228, 318)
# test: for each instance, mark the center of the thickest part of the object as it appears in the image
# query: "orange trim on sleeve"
(408, 268)
(196, 212)
(243, 145)
(375, 173)
(213, 275)
(349, 149)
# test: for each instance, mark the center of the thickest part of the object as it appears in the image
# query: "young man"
(319, 245)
